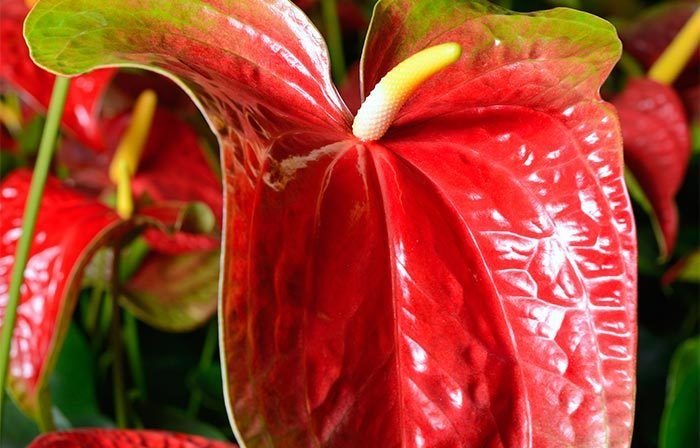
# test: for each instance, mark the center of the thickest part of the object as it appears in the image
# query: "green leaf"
(18, 430)
(679, 424)
(174, 292)
(73, 382)
(208, 381)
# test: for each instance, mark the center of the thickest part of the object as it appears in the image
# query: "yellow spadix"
(126, 157)
(381, 106)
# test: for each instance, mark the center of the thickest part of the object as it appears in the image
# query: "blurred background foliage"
(174, 380)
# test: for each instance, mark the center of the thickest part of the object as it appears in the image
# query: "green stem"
(104, 323)
(93, 309)
(331, 23)
(205, 360)
(133, 353)
(132, 258)
(36, 191)
(44, 416)
(119, 387)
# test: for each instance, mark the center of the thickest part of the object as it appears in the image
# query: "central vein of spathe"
(381, 106)
(126, 158)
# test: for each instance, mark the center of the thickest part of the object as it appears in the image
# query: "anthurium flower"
(52, 276)
(17, 71)
(106, 438)
(466, 278)
(657, 149)
(654, 124)
(175, 287)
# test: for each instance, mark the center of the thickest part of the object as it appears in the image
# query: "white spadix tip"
(396, 87)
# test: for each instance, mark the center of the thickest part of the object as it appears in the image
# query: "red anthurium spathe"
(81, 115)
(657, 148)
(110, 438)
(70, 227)
(466, 279)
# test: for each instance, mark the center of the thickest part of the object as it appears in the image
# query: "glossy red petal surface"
(81, 115)
(69, 228)
(657, 147)
(484, 296)
(111, 438)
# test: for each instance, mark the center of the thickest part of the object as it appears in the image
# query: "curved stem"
(133, 353)
(672, 61)
(119, 387)
(44, 416)
(31, 210)
(92, 314)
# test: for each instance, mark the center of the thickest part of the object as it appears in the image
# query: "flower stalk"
(121, 414)
(31, 211)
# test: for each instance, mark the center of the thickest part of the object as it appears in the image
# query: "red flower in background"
(657, 149)
(655, 127)
(173, 176)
